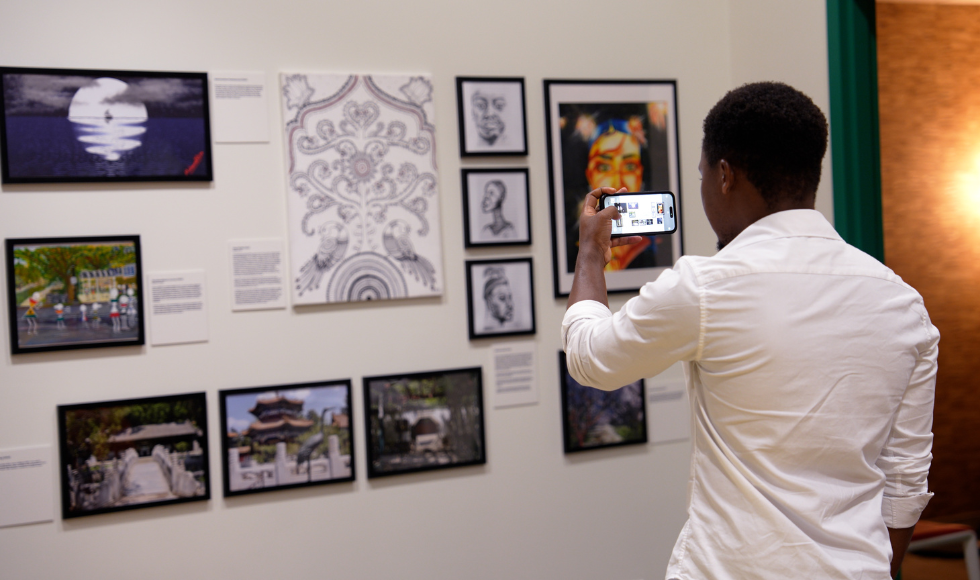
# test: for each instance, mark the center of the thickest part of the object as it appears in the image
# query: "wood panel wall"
(929, 98)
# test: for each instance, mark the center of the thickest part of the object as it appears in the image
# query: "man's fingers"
(610, 213)
(627, 241)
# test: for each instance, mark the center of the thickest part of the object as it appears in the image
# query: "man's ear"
(727, 177)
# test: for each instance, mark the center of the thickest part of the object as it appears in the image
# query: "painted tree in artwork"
(590, 408)
(57, 264)
(463, 425)
(583, 412)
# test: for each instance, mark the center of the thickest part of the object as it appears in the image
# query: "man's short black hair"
(774, 133)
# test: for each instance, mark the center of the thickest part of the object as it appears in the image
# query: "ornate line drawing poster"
(362, 186)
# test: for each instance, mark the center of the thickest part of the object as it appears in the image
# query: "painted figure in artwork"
(124, 312)
(131, 311)
(96, 319)
(30, 317)
(83, 315)
(486, 114)
(114, 309)
(494, 193)
(498, 298)
(59, 310)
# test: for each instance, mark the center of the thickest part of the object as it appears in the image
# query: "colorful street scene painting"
(74, 293)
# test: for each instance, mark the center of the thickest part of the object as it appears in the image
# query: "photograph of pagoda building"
(286, 436)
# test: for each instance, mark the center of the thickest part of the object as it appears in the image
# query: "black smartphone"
(644, 213)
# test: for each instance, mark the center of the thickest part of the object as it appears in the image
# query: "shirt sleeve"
(907, 454)
(650, 333)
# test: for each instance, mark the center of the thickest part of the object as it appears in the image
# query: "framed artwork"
(424, 421)
(594, 419)
(491, 116)
(134, 453)
(362, 187)
(68, 293)
(615, 134)
(496, 207)
(500, 294)
(286, 436)
(70, 126)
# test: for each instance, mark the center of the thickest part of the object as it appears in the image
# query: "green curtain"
(853, 68)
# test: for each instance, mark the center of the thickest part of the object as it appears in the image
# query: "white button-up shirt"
(811, 369)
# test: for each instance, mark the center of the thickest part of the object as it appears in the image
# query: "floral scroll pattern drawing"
(362, 186)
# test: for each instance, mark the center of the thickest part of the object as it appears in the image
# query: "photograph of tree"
(120, 455)
(593, 418)
(286, 436)
(62, 125)
(424, 421)
(65, 293)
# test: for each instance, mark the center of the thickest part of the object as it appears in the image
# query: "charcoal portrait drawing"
(491, 116)
(496, 206)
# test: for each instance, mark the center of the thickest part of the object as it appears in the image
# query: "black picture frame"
(98, 270)
(577, 114)
(509, 220)
(252, 478)
(581, 406)
(104, 126)
(502, 130)
(500, 297)
(138, 455)
(409, 434)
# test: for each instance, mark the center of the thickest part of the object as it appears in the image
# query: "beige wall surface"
(530, 512)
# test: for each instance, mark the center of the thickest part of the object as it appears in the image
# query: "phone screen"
(643, 213)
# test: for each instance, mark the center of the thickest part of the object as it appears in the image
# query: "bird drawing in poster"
(395, 238)
(333, 246)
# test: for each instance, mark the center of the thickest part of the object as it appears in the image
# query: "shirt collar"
(792, 223)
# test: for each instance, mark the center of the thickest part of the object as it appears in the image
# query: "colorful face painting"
(615, 145)
(610, 134)
(362, 186)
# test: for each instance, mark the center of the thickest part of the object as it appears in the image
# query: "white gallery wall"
(530, 512)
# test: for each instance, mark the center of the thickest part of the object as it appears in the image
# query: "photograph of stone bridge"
(124, 454)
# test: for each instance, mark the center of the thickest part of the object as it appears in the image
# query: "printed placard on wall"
(610, 134)
(62, 125)
(363, 192)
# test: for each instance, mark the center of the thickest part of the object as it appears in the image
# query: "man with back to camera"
(810, 365)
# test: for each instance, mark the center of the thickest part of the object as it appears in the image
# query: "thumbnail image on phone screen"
(643, 213)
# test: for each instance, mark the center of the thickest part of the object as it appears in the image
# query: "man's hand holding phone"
(595, 228)
(595, 248)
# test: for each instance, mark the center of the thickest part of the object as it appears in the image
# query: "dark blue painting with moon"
(98, 126)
